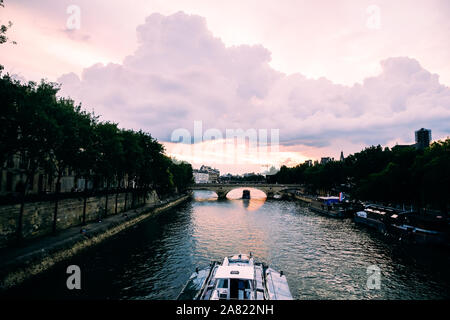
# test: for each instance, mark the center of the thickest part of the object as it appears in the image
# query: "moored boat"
(377, 217)
(238, 277)
(415, 228)
(352, 207)
(330, 206)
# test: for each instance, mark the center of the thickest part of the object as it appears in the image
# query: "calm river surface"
(322, 257)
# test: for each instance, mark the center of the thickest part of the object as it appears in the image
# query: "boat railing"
(206, 285)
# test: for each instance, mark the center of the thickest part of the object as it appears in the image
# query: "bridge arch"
(224, 193)
(255, 193)
(205, 189)
(223, 189)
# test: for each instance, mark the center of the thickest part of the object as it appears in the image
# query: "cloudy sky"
(319, 76)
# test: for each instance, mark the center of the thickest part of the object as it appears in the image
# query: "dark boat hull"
(412, 235)
(330, 213)
(372, 223)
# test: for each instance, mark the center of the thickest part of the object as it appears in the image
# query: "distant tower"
(342, 156)
(423, 138)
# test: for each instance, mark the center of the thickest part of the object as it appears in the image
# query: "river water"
(322, 257)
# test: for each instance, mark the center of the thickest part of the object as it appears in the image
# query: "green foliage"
(10, 92)
(400, 175)
(4, 29)
(108, 150)
(53, 134)
(27, 126)
(431, 171)
(182, 175)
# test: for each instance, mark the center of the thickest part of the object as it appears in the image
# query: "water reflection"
(235, 196)
(322, 258)
(252, 204)
(204, 195)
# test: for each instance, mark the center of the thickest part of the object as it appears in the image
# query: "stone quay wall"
(37, 217)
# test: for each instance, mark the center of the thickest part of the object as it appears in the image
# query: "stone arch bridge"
(222, 189)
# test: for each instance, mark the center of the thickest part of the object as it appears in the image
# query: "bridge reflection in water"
(257, 197)
(322, 258)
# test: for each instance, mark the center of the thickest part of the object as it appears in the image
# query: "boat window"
(234, 288)
(223, 296)
(244, 284)
(223, 283)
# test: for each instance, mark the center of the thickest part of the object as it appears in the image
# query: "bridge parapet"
(222, 189)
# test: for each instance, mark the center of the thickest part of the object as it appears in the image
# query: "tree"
(69, 138)
(84, 159)
(10, 92)
(370, 160)
(33, 130)
(108, 148)
(50, 134)
(130, 161)
(153, 171)
(431, 172)
(394, 183)
(182, 174)
(402, 175)
(4, 28)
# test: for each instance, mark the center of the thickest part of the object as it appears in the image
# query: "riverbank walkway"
(35, 255)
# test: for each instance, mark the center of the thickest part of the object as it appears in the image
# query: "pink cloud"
(180, 73)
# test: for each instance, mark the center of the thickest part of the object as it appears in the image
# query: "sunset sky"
(329, 75)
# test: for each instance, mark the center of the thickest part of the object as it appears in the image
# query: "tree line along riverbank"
(400, 176)
(44, 138)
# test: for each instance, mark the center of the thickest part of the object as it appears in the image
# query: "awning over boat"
(235, 272)
(329, 200)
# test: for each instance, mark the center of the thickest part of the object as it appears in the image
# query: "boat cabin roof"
(235, 272)
(382, 210)
(239, 257)
(329, 198)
